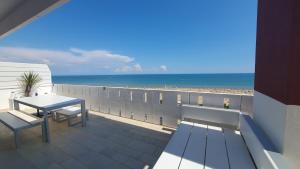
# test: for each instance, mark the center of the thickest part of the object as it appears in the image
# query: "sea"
(227, 80)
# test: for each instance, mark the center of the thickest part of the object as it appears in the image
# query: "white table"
(48, 103)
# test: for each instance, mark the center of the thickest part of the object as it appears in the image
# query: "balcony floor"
(107, 142)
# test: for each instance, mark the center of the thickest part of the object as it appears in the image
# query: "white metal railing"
(149, 105)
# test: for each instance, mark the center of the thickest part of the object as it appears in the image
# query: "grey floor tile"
(73, 164)
(54, 166)
(104, 143)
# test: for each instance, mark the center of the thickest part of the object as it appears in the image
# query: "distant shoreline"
(211, 90)
(236, 83)
(200, 89)
(141, 74)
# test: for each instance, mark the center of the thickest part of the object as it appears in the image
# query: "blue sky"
(139, 36)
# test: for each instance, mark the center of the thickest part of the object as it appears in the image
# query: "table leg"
(45, 128)
(83, 113)
(38, 112)
(16, 105)
(17, 139)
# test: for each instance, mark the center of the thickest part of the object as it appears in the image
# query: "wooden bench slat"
(12, 121)
(194, 154)
(238, 154)
(216, 155)
(171, 156)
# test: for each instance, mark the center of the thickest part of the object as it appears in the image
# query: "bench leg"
(43, 131)
(69, 122)
(16, 105)
(73, 120)
(83, 113)
(53, 115)
(87, 114)
(17, 141)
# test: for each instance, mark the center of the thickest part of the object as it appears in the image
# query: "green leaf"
(29, 81)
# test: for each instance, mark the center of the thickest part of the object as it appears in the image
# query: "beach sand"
(208, 90)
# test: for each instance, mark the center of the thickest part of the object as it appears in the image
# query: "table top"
(48, 101)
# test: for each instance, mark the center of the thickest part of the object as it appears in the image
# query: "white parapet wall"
(10, 74)
(263, 152)
(280, 123)
(164, 107)
(227, 117)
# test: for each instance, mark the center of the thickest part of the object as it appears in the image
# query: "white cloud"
(72, 55)
(163, 68)
(137, 68)
(129, 68)
(73, 60)
(102, 54)
(77, 61)
(123, 69)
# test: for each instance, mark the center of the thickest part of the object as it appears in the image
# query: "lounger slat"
(12, 122)
(194, 154)
(172, 154)
(216, 155)
(238, 154)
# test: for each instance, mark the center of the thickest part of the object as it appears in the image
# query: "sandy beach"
(209, 90)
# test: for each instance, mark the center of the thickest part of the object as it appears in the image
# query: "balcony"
(139, 128)
(142, 128)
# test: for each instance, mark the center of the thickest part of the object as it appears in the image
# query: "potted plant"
(29, 81)
(226, 103)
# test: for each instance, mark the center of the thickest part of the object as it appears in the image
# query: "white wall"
(281, 123)
(216, 100)
(228, 117)
(270, 116)
(291, 148)
(247, 104)
(117, 101)
(261, 148)
(11, 72)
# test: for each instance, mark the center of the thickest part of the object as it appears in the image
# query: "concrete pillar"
(277, 75)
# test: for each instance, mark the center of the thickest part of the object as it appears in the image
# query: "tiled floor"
(106, 142)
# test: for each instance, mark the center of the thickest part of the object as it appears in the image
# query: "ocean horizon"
(224, 80)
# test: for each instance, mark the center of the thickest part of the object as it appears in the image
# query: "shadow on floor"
(104, 143)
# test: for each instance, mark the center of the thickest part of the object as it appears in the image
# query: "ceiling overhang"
(17, 13)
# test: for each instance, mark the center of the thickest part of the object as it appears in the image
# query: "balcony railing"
(163, 107)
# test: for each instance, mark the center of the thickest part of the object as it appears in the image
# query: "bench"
(261, 148)
(68, 113)
(195, 146)
(17, 121)
(171, 156)
(194, 154)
